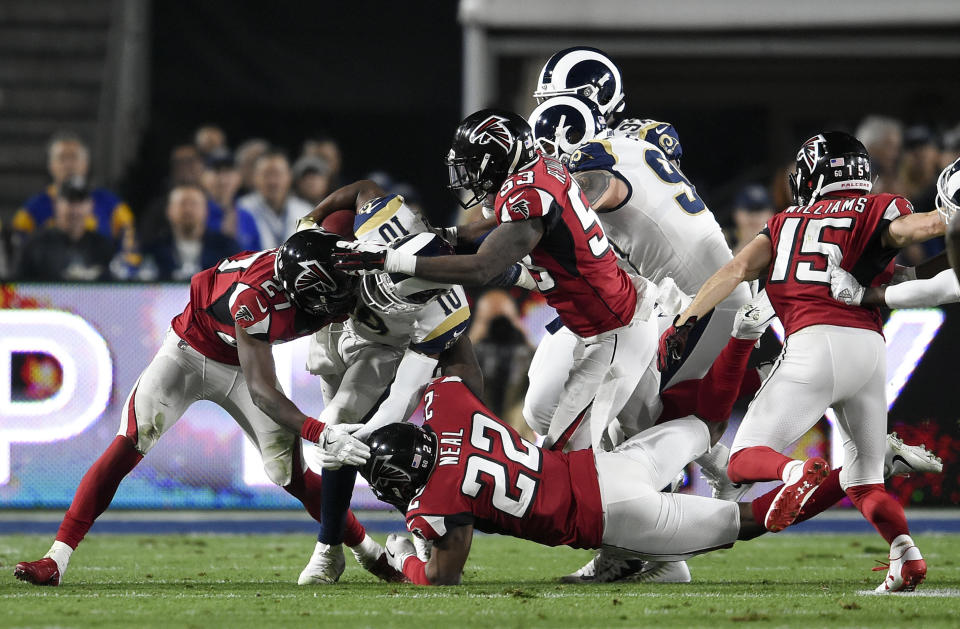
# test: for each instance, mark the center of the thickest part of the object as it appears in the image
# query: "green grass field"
(249, 581)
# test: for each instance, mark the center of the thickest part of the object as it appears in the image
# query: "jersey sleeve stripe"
(448, 324)
(366, 223)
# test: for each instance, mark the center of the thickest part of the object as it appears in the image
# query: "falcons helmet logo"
(493, 129)
(812, 150)
(314, 277)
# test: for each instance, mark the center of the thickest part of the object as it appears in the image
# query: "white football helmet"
(585, 72)
(948, 191)
(563, 124)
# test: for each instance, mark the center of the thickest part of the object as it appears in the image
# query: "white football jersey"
(428, 330)
(663, 229)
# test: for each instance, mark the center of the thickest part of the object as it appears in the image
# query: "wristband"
(415, 570)
(312, 430)
(400, 262)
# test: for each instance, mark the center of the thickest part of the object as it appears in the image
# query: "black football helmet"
(830, 162)
(488, 146)
(563, 124)
(308, 278)
(586, 72)
(401, 459)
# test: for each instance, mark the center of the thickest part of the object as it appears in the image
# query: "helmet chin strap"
(816, 191)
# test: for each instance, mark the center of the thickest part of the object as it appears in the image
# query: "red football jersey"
(241, 290)
(847, 227)
(488, 476)
(573, 264)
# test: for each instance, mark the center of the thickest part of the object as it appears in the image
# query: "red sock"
(757, 463)
(97, 489)
(751, 384)
(880, 510)
(721, 385)
(679, 400)
(305, 487)
(828, 494)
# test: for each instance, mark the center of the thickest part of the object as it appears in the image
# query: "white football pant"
(823, 366)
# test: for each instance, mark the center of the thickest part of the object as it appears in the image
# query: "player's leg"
(284, 464)
(548, 371)
(170, 383)
(862, 421)
(793, 398)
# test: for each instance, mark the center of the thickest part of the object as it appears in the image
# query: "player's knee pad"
(278, 459)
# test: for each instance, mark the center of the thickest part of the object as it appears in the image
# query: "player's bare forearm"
(474, 231)
(506, 245)
(461, 361)
(449, 555)
(747, 265)
(349, 197)
(603, 189)
(259, 370)
(912, 229)
(873, 296)
(932, 266)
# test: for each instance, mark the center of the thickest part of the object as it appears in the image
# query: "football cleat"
(753, 317)
(606, 567)
(906, 569)
(794, 494)
(325, 565)
(662, 572)
(42, 572)
(373, 558)
(902, 459)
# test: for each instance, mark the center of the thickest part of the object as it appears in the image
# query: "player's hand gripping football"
(843, 286)
(398, 549)
(338, 447)
(672, 343)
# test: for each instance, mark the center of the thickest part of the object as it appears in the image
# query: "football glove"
(843, 286)
(672, 343)
(399, 548)
(361, 258)
(338, 447)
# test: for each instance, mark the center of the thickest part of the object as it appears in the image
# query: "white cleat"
(906, 569)
(663, 572)
(373, 558)
(325, 566)
(606, 567)
(902, 459)
(753, 317)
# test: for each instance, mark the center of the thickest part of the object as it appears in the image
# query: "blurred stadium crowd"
(222, 199)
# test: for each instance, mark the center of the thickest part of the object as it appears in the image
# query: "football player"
(374, 365)
(834, 354)
(465, 469)
(544, 219)
(219, 350)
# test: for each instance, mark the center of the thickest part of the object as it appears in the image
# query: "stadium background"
(389, 81)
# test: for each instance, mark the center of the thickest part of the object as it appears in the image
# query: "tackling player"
(465, 469)
(219, 349)
(834, 354)
(543, 218)
(375, 364)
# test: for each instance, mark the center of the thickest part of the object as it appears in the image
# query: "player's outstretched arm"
(447, 558)
(349, 197)
(337, 444)
(912, 229)
(747, 265)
